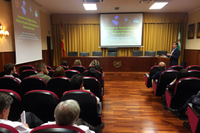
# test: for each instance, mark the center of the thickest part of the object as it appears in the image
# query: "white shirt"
(21, 128)
(82, 127)
(13, 77)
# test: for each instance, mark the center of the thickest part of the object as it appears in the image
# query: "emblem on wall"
(117, 64)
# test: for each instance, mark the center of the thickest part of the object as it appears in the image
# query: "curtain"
(82, 34)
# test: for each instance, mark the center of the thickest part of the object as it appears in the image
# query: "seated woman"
(77, 62)
(59, 71)
(64, 63)
(94, 62)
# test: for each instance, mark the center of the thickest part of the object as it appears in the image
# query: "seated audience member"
(41, 68)
(67, 113)
(162, 67)
(31, 120)
(77, 83)
(94, 62)
(92, 73)
(10, 70)
(77, 62)
(64, 63)
(59, 71)
(182, 74)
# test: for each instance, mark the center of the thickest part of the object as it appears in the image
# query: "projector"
(93, 1)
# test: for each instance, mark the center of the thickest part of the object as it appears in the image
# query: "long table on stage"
(119, 64)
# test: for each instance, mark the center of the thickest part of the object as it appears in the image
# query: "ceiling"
(76, 6)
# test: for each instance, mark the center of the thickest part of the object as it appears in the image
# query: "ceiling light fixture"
(158, 5)
(90, 6)
(3, 33)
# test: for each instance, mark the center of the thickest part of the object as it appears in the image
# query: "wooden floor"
(130, 107)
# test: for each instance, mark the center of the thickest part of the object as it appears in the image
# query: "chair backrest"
(176, 67)
(64, 67)
(159, 53)
(92, 84)
(27, 73)
(49, 67)
(93, 66)
(70, 73)
(79, 68)
(59, 85)
(112, 51)
(72, 53)
(86, 100)
(186, 87)
(137, 53)
(53, 128)
(193, 67)
(150, 53)
(2, 73)
(194, 73)
(167, 77)
(41, 102)
(153, 70)
(51, 72)
(97, 53)
(97, 75)
(32, 83)
(24, 67)
(4, 128)
(9, 83)
(15, 109)
(84, 54)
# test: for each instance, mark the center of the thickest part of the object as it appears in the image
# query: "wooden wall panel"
(192, 57)
(9, 57)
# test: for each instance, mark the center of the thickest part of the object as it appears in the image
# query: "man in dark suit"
(174, 55)
(162, 67)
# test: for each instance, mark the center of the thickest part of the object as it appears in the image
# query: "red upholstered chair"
(79, 68)
(32, 83)
(194, 118)
(16, 108)
(41, 102)
(92, 84)
(92, 66)
(185, 88)
(49, 67)
(90, 110)
(194, 73)
(166, 77)
(10, 83)
(59, 85)
(24, 67)
(64, 67)
(27, 73)
(53, 128)
(70, 73)
(51, 72)
(4, 128)
(148, 79)
(193, 67)
(2, 73)
(176, 67)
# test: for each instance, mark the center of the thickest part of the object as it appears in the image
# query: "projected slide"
(121, 30)
(27, 31)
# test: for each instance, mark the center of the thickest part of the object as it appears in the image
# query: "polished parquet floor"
(130, 107)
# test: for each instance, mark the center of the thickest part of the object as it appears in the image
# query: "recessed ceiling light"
(158, 5)
(90, 6)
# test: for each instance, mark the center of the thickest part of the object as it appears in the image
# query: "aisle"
(129, 107)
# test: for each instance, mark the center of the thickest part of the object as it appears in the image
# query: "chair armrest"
(194, 109)
(99, 108)
(171, 94)
(147, 75)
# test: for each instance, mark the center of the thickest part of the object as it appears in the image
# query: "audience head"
(94, 62)
(67, 112)
(77, 62)
(77, 81)
(162, 65)
(42, 68)
(174, 45)
(9, 69)
(182, 74)
(59, 71)
(92, 72)
(5, 103)
(98, 67)
(64, 63)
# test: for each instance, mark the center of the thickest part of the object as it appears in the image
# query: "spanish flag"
(62, 40)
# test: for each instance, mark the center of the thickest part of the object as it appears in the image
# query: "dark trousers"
(184, 109)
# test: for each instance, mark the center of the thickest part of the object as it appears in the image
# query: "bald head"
(162, 65)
